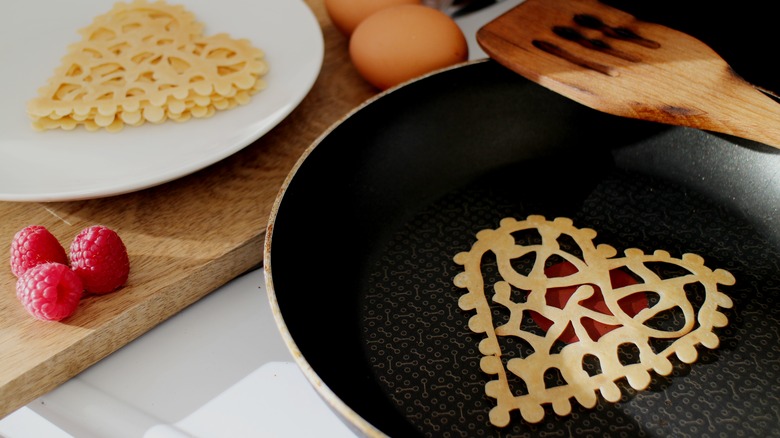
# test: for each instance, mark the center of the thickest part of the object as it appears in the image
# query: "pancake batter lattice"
(600, 314)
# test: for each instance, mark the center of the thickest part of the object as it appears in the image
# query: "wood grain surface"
(185, 238)
(657, 74)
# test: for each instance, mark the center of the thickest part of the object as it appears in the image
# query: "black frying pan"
(360, 245)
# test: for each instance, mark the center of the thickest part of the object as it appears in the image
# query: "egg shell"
(347, 14)
(399, 43)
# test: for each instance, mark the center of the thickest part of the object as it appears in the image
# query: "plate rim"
(227, 145)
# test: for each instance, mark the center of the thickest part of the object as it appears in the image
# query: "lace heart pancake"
(574, 307)
(147, 62)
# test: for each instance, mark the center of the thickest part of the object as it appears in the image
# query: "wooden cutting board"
(185, 239)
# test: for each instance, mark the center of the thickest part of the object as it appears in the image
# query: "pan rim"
(706, 142)
(351, 418)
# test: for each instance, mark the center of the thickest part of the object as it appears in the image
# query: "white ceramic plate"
(58, 165)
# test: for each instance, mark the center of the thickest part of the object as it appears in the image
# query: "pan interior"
(364, 237)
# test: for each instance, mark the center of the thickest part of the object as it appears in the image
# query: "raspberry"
(99, 257)
(49, 291)
(33, 246)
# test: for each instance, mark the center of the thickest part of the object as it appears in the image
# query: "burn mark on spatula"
(620, 33)
(572, 34)
(560, 52)
(588, 21)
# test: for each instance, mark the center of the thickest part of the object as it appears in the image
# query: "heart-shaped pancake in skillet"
(576, 307)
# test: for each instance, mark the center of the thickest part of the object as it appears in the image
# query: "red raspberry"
(33, 246)
(99, 257)
(50, 291)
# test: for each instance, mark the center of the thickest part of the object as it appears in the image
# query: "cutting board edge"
(128, 326)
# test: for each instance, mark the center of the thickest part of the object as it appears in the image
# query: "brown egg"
(347, 14)
(402, 42)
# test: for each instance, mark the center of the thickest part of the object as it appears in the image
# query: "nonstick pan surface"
(359, 253)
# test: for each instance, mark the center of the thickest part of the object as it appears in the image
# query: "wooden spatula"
(608, 60)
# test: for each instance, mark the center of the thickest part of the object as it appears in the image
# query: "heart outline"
(592, 269)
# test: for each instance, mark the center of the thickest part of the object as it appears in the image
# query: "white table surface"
(217, 369)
